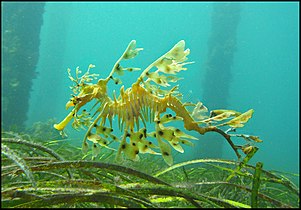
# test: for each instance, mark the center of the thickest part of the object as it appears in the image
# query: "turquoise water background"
(265, 71)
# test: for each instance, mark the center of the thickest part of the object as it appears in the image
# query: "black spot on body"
(160, 133)
(123, 146)
(166, 153)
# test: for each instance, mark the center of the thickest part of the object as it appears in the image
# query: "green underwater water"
(42, 169)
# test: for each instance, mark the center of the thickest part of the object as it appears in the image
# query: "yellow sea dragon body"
(145, 102)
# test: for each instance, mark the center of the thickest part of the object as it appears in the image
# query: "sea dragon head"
(85, 92)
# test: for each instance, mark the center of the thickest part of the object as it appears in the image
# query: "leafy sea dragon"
(147, 100)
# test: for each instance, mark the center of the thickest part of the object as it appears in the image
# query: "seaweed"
(48, 178)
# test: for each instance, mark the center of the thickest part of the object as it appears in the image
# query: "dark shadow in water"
(221, 49)
(21, 24)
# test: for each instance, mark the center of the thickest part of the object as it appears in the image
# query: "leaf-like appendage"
(237, 122)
